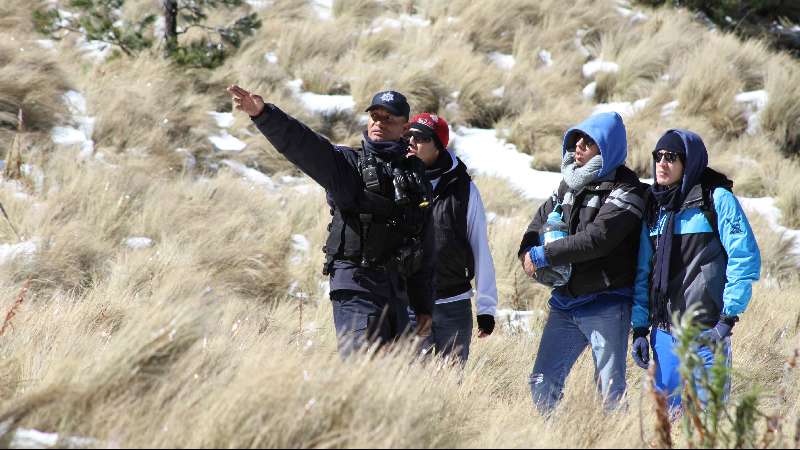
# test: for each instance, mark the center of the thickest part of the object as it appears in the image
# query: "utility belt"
(405, 260)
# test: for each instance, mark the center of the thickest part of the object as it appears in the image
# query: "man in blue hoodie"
(380, 246)
(602, 203)
(698, 253)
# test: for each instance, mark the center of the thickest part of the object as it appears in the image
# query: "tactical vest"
(385, 230)
(455, 267)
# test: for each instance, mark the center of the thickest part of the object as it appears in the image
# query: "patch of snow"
(271, 57)
(499, 92)
(82, 134)
(766, 207)
(252, 175)
(669, 108)
(259, 4)
(33, 439)
(502, 60)
(546, 57)
(590, 90)
(224, 120)
(488, 155)
(139, 243)
(300, 243)
(517, 321)
(97, 51)
(227, 143)
(579, 35)
(324, 8)
(633, 16)
(592, 68)
(188, 159)
(624, 109)
(321, 104)
(160, 28)
(753, 103)
(10, 252)
(402, 22)
(47, 44)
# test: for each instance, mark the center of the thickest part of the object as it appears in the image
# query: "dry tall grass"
(199, 339)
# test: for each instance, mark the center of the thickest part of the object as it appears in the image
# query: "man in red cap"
(462, 243)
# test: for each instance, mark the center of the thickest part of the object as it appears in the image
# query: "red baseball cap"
(434, 126)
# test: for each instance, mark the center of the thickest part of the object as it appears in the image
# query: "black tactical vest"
(385, 229)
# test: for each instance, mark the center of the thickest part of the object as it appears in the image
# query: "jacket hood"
(696, 160)
(608, 131)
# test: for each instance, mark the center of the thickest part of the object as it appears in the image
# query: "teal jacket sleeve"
(640, 317)
(744, 257)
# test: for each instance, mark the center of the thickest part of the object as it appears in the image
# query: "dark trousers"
(451, 332)
(363, 319)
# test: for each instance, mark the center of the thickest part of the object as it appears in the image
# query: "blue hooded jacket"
(608, 131)
(714, 269)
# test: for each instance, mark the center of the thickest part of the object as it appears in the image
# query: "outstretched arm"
(310, 152)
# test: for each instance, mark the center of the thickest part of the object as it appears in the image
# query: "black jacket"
(336, 170)
(603, 244)
(455, 267)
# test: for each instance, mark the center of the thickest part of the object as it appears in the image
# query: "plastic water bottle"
(553, 230)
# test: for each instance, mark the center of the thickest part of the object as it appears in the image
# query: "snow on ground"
(321, 104)
(517, 321)
(227, 143)
(97, 51)
(252, 175)
(271, 57)
(502, 60)
(81, 133)
(592, 68)
(485, 154)
(258, 5)
(669, 108)
(47, 44)
(26, 438)
(590, 90)
(546, 57)
(324, 8)
(139, 243)
(754, 103)
(300, 248)
(224, 120)
(766, 207)
(10, 252)
(624, 109)
(402, 22)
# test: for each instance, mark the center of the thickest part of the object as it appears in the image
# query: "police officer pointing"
(380, 250)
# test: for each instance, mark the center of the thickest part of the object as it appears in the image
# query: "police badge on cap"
(392, 101)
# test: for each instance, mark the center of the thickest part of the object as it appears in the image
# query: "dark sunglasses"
(587, 141)
(419, 138)
(670, 157)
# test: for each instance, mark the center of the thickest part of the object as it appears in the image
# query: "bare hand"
(528, 266)
(246, 102)
(424, 325)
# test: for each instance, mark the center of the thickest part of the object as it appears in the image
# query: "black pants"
(362, 319)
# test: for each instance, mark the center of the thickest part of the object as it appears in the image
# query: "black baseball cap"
(392, 101)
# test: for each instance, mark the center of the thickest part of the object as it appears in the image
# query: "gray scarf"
(578, 177)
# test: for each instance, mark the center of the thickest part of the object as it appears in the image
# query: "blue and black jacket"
(715, 257)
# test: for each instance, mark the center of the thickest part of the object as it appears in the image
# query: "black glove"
(486, 323)
(721, 330)
(641, 347)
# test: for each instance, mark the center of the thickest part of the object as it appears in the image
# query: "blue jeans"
(668, 379)
(363, 319)
(451, 332)
(603, 325)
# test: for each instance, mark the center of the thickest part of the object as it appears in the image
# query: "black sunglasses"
(587, 141)
(670, 157)
(419, 138)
